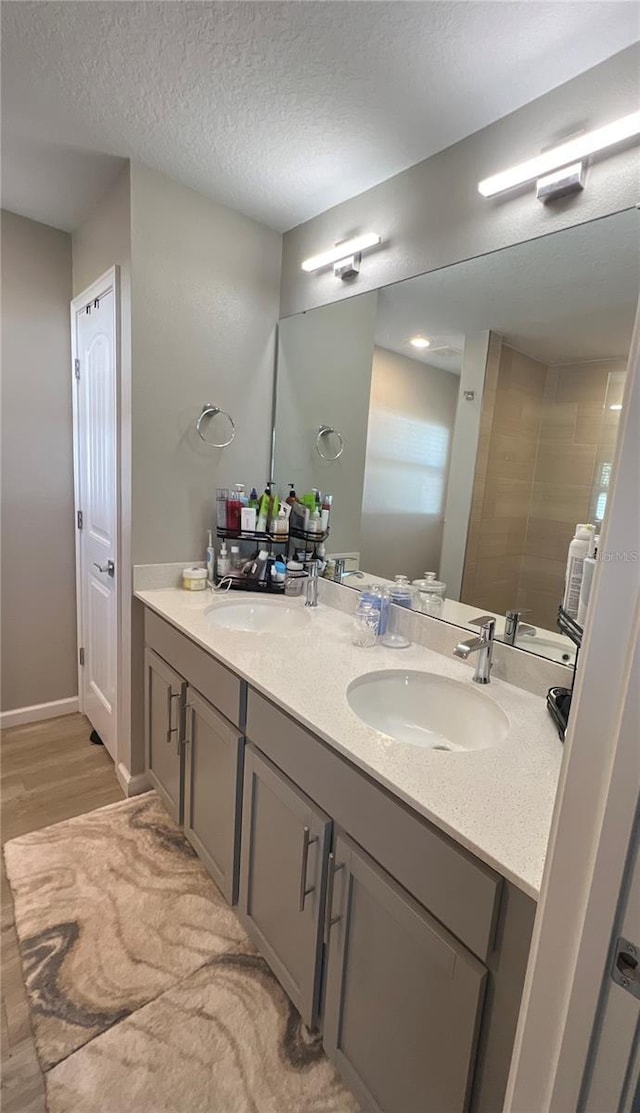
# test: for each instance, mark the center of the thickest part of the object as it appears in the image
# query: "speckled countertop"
(496, 802)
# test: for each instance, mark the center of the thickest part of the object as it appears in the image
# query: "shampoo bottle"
(223, 561)
(580, 547)
(211, 559)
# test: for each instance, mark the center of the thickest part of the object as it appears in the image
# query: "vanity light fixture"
(420, 342)
(617, 406)
(572, 151)
(345, 256)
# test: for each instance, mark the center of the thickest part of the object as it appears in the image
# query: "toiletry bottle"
(326, 512)
(253, 499)
(580, 547)
(291, 497)
(263, 511)
(315, 521)
(234, 508)
(211, 559)
(222, 496)
(274, 510)
(223, 561)
(236, 560)
(248, 519)
(587, 581)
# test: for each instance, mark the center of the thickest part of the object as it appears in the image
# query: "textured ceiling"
(565, 298)
(279, 110)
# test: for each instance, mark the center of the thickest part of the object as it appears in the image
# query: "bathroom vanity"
(391, 888)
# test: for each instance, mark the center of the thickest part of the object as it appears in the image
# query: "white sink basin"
(428, 710)
(264, 616)
(553, 649)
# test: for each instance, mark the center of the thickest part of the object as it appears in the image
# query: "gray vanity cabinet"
(403, 997)
(213, 757)
(285, 841)
(164, 718)
(195, 742)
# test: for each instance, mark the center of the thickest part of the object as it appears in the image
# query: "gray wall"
(432, 214)
(38, 557)
(205, 284)
(413, 407)
(205, 306)
(324, 377)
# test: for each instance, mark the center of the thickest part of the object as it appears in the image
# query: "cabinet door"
(403, 997)
(164, 722)
(213, 754)
(285, 841)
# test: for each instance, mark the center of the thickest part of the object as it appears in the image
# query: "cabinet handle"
(330, 920)
(171, 696)
(304, 892)
(185, 741)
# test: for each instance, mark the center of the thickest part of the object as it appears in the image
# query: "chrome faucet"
(339, 573)
(514, 628)
(482, 645)
(312, 584)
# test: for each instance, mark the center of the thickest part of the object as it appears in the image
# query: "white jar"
(194, 579)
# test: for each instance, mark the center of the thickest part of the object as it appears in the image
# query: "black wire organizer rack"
(559, 698)
(282, 545)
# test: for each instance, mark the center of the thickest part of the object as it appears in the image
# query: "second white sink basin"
(428, 710)
(262, 616)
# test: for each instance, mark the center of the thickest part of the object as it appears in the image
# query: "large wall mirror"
(475, 411)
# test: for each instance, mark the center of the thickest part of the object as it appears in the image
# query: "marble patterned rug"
(145, 992)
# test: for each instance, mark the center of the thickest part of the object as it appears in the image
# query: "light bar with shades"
(572, 151)
(342, 251)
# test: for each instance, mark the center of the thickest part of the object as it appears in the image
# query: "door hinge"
(76, 368)
(81, 656)
(80, 518)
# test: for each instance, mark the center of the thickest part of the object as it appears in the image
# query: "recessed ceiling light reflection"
(420, 342)
(618, 406)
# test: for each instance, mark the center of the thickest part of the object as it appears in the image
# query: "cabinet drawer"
(459, 890)
(215, 682)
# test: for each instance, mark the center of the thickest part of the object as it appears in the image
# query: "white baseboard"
(39, 711)
(132, 784)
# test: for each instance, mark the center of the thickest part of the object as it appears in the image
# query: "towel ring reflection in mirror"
(209, 411)
(327, 431)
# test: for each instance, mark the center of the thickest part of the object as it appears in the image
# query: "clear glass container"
(294, 579)
(366, 620)
(431, 594)
(376, 596)
(403, 596)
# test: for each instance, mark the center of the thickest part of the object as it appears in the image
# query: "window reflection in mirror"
(485, 491)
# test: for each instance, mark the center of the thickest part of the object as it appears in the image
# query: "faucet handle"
(518, 614)
(483, 620)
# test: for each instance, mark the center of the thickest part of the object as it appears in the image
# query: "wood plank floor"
(49, 772)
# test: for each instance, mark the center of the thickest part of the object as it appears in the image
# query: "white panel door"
(97, 491)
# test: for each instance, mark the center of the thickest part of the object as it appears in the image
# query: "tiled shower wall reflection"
(547, 439)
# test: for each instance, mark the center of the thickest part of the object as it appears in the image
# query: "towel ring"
(211, 411)
(326, 431)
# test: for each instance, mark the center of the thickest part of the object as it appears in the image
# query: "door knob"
(109, 568)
